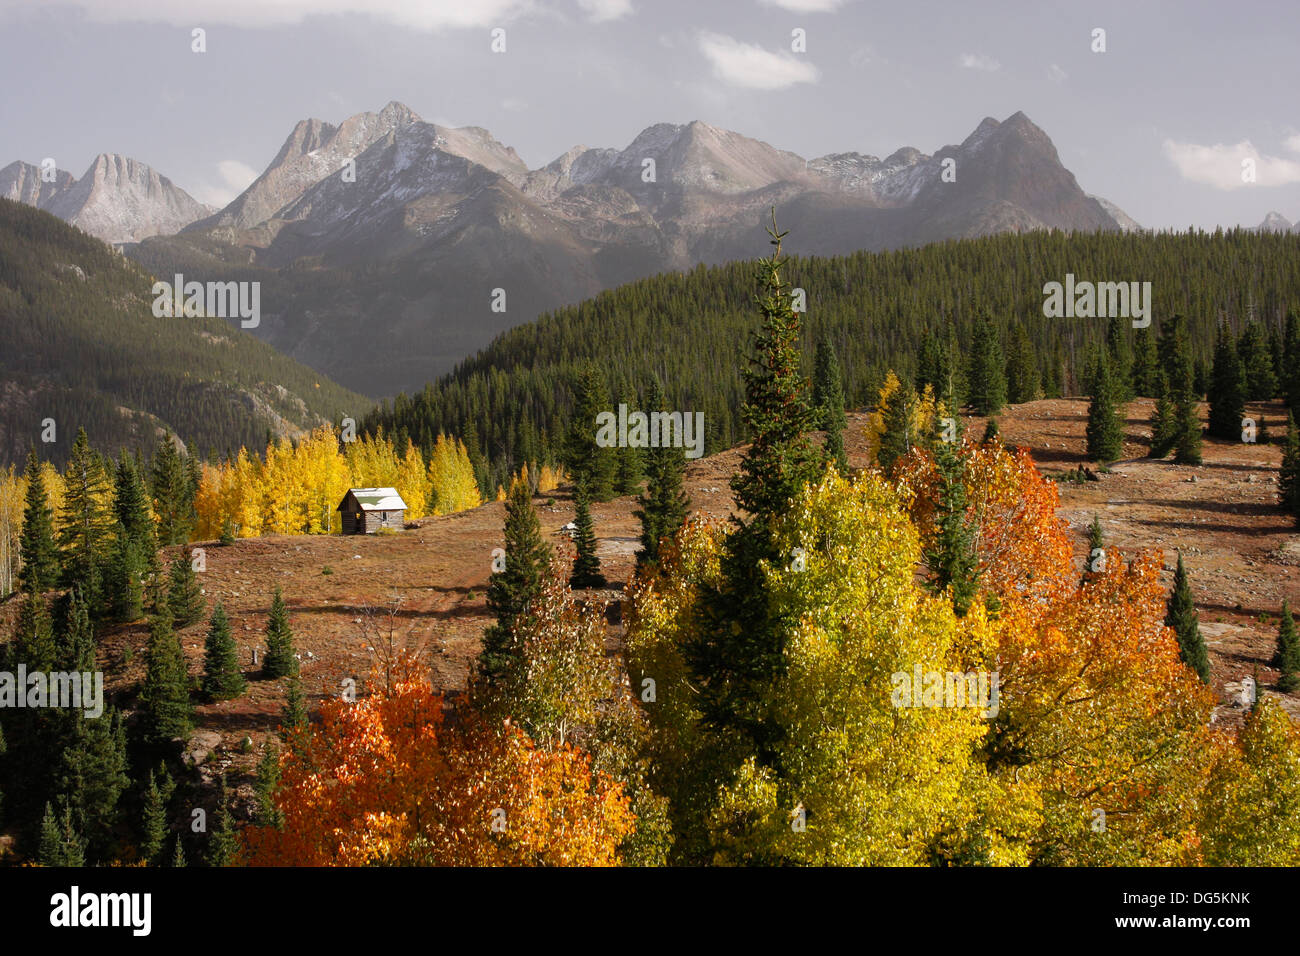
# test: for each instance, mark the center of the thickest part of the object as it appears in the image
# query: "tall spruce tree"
(1226, 395)
(279, 659)
(828, 403)
(223, 678)
(1022, 368)
(1142, 376)
(584, 457)
(153, 820)
(60, 843)
(173, 490)
(1187, 447)
(40, 570)
(510, 591)
(92, 775)
(1260, 381)
(1289, 476)
(586, 566)
(1120, 357)
(1180, 614)
(663, 505)
(124, 578)
(950, 558)
(986, 382)
(293, 718)
(268, 781)
(185, 603)
(165, 710)
(1287, 656)
(740, 647)
(223, 843)
(1291, 359)
(1164, 421)
(1105, 431)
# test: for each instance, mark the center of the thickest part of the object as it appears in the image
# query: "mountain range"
(119, 200)
(390, 248)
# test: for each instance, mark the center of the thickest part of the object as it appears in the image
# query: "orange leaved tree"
(392, 780)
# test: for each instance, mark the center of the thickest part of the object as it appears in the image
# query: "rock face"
(1276, 222)
(22, 182)
(118, 199)
(409, 245)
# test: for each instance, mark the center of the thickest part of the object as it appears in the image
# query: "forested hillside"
(513, 400)
(82, 346)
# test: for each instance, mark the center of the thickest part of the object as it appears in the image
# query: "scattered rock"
(200, 746)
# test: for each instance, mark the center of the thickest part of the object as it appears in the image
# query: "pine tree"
(1143, 373)
(828, 403)
(985, 378)
(1259, 381)
(294, 716)
(1105, 431)
(165, 711)
(1291, 358)
(664, 505)
(123, 578)
(586, 566)
(1287, 656)
(951, 557)
(153, 822)
(131, 505)
(1180, 614)
(185, 602)
(60, 843)
(268, 781)
(1022, 370)
(178, 853)
(222, 677)
(630, 471)
(527, 560)
(740, 646)
(991, 433)
(1289, 476)
(1227, 396)
(222, 841)
(40, 553)
(1164, 421)
(173, 489)
(1120, 358)
(84, 532)
(1187, 449)
(279, 659)
(92, 775)
(583, 458)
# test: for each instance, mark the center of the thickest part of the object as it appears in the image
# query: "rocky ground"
(426, 587)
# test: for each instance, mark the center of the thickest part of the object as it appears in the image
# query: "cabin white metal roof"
(376, 499)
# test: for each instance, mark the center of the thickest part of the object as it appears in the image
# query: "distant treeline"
(512, 401)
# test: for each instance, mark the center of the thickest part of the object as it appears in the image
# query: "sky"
(1159, 122)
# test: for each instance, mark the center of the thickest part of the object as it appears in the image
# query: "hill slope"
(83, 347)
(689, 328)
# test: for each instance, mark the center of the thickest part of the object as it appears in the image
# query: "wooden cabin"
(366, 510)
